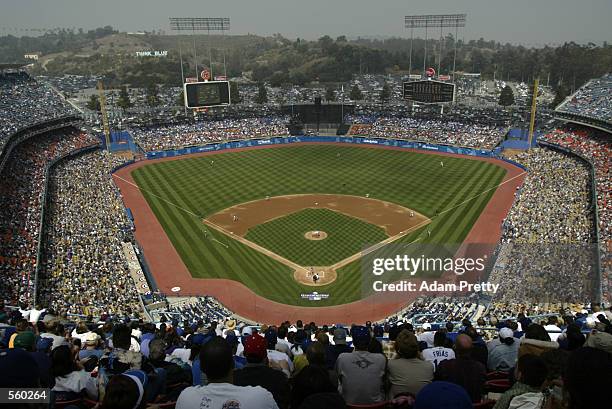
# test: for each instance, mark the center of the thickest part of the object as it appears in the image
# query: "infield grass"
(182, 192)
(345, 236)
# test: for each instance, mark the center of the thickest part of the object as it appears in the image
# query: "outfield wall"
(281, 140)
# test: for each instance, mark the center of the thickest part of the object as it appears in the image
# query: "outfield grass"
(182, 192)
(345, 236)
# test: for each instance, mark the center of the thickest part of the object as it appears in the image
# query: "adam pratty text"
(412, 265)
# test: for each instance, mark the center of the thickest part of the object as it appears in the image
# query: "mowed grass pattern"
(182, 192)
(345, 236)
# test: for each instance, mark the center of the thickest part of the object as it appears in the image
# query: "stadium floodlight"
(199, 23)
(194, 24)
(435, 21)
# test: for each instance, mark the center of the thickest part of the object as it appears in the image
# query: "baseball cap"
(44, 344)
(140, 378)
(427, 326)
(506, 333)
(340, 336)
(361, 334)
(25, 340)
(18, 369)
(91, 338)
(442, 395)
(256, 346)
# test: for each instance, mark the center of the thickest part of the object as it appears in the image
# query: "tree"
(330, 94)
(262, 94)
(180, 100)
(356, 94)
(235, 93)
(506, 98)
(93, 103)
(152, 97)
(124, 99)
(560, 95)
(385, 93)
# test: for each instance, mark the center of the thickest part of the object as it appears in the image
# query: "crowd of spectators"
(546, 253)
(442, 309)
(84, 269)
(433, 130)
(554, 202)
(25, 102)
(596, 146)
(594, 99)
(190, 134)
(446, 132)
(564, 360)
(206, 308)
(21, 186)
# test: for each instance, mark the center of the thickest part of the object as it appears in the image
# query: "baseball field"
(270, 218)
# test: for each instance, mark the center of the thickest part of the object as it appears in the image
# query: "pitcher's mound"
(315, 235)
(324, 275)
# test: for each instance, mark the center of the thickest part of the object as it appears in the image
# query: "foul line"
(481, 193)
(171, 204)
(342, 262)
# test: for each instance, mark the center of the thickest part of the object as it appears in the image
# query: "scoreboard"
(206, 94)
(429, 91)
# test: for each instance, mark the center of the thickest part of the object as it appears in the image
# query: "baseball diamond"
(445, 203)
(347, 236)
(357, 213)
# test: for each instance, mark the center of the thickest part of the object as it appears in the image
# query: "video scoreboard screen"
(429, 91)
(207, 94)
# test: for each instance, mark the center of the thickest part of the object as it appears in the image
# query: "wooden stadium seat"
(497, 375)
(498, 385)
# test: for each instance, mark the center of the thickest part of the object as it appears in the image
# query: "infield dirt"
(170, 271)
(393, 218)
(236, 221)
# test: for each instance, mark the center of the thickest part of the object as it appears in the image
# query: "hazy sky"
(530, 22)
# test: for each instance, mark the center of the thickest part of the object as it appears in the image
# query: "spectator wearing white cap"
(504, 353)
(427, 336)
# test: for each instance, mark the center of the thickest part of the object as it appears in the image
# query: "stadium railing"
(591, 167)
(43, 212)
(32, 130)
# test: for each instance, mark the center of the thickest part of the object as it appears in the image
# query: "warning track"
(169, 270)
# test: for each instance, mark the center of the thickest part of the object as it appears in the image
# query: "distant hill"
(279, 61)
